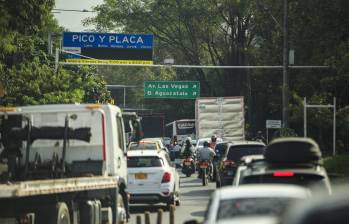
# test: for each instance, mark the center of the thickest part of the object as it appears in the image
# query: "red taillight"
(283, 174)
(166, 178)
(228, 162)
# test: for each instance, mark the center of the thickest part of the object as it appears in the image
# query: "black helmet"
(213, 138)
(206, 144)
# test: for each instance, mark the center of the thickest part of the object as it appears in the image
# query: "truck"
(181, 130)
(63, 163)
(220, 116)
(153, 125)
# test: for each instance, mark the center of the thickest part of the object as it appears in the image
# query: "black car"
(231, 159)
(287, 161)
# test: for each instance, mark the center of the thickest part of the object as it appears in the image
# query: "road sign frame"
(110, 48)
(171, 89)
(276, 124)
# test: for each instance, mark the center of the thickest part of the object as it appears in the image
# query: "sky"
(73, 20)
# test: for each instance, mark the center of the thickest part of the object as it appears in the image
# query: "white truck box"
(222, 116)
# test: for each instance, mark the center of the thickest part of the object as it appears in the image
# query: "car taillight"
(166, 177)
(228, 162)
(283, 174)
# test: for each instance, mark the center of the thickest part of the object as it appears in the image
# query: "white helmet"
(188, 138)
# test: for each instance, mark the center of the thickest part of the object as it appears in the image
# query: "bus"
(181, 129)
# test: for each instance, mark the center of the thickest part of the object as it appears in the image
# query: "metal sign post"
(334, 119)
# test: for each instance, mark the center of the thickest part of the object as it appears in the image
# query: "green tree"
(27, 71)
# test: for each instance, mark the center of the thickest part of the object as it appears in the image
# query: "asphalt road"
(194, 198)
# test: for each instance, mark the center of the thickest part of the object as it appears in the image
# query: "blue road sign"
(107, 40)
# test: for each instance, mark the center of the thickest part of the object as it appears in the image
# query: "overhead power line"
(73, 10)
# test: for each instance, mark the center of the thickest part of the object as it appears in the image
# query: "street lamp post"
(285, 90)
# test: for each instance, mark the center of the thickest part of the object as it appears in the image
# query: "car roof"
(157, 140)
(143, 153)
(219, 140)
(247, 143)
(262, 167)
(146, 142)
(263, 190)
(151, 139)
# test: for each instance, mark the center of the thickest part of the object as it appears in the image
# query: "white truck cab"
(63, 141)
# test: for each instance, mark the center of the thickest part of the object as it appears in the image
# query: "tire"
(178, 202)
(170, 202)
(54, 215)
(214, 174)
(188, 174)
(176, 198)
(218, 184)
(204, 177)
(123, 204)
(122, 215)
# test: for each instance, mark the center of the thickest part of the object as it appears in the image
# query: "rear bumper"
(227, 176)
(149, 198)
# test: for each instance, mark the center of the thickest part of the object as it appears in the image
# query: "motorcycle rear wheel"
(204, 177)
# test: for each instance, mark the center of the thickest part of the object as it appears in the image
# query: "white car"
(158, 141)
(200, 142)
(151, 178)
(265, 201)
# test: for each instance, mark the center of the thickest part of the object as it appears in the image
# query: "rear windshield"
(236, 152)
(144, 161)
(305, 180)
(146, 146)
(240, 207)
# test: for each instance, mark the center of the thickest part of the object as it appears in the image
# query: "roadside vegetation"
(27, 74)
(337, 165)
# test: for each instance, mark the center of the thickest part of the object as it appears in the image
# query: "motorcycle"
(205, 171)
(188, 166)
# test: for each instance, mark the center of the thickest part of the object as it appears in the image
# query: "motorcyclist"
(213, 142)
(259, 137)
(188, 149)
(206, 154)
(176, 149)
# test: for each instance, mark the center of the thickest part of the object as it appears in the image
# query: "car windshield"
(146, 146)
(150, 161)
(236, 152)
(238, 207)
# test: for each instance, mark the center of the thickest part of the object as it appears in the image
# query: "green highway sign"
(172, 89)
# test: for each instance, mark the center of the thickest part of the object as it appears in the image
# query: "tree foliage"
(27, 71)
(235, 32)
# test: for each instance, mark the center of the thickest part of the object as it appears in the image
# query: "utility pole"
(285, 92)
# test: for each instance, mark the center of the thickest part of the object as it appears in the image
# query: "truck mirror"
(137, 130)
